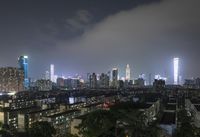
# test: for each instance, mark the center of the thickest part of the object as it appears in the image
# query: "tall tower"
(23, 65)
(93, 81)
(52, 77)
(115, 77)
(47, 75)
(128, 72)
(176, 71)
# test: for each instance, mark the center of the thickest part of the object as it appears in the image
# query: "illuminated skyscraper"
(23, 65)
(128, 72)
(176, 71)
(52, 77)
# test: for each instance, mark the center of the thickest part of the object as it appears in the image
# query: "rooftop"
(63, 113)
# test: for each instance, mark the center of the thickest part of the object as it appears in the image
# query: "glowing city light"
(128, 72)
(25, 57)
(52, 73)
(176, 71)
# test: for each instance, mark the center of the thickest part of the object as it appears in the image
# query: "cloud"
(146, 37)
(79, 22)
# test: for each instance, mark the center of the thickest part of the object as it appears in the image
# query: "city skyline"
(122, 74)
(83, 39)
(99, 68)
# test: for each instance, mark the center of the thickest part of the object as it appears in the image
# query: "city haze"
(97, 37)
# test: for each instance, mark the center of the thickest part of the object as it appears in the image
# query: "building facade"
(115, 77)
(11, 79)
(23, 65)
(93, 81)
(128, 72)
(104, 81)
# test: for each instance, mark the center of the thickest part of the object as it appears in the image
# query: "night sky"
(81, 36)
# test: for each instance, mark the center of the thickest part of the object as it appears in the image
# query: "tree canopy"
(41, 129)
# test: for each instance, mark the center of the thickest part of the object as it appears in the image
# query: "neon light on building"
(23, 65)
(52, 73)
(176, 71)
(128, 72)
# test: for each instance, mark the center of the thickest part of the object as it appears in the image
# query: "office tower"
(109, 74)
(180, 82)
(47, 75)
(23, 65)
(93, 81)
(176, 71)
(104, 81)
(44, 85)
(68, 83)
(75, 83)
(128, 72)
(11, 79)
(55, 78)
(60, 82)
(88, 77)
(140, 82)
(121, 84)
(159, 84)
(115, 77)
(72, 83)
(52, 77)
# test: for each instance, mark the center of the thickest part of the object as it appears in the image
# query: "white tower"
(52, 73)
(176, 71)
(128, 72)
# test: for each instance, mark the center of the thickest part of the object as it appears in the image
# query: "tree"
(186, 128)
(133, 121)
(98, 123)
(41, 129)
(121, 120)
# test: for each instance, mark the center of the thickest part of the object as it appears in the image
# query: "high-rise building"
(23, 65)
(60, 82)
(176, 71)
(11, 79)
(104, 81)
(140, 82)
(128, 72)
(75, 83)
(93, 81)
(68, 83)
(44, 85)
(52, 76)
(47, 75)
(115, 77)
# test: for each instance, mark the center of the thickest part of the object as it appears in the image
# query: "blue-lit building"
(23, 65)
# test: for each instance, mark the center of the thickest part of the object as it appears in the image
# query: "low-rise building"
(62, 121)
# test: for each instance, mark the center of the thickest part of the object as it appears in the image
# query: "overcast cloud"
(97, 37)
(146, 37)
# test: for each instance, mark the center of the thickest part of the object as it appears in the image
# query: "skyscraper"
(128, 72)
(104, 81)
(52, 77)
(176, 71)
(23, 65)
(93, 81)
(115, 77)
(11, 79)
(47, 75)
